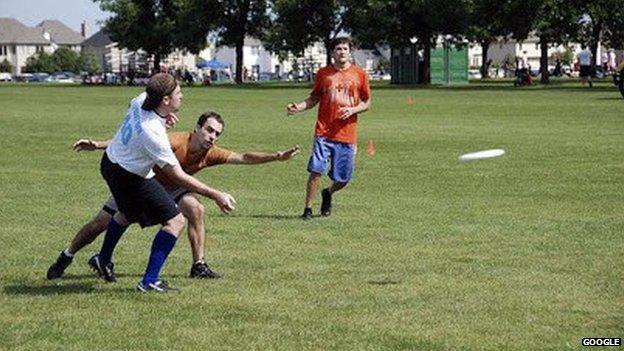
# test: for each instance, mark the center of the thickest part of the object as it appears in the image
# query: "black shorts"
(140, 200)
(585, 71)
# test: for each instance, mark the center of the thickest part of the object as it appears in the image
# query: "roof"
(13, 31)
(60, 33)
(99, 39)
(249, 41)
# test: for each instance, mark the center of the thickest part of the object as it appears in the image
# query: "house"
(61, 35)
(527, 50)
(18, 42)
(113, 59)
(257, 59)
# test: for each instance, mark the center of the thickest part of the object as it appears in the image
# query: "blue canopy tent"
(212, 64)
(217, 70)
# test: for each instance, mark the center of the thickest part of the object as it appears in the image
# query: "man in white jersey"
(584, 58)
(140, 144)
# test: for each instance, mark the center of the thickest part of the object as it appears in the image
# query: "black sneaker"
(326, 203)
(57, 268)
(307, 214)
(160, 286)
(105, 272)
(201, 270)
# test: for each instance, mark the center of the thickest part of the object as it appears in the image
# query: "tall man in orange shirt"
(194, 151)
(343, 91)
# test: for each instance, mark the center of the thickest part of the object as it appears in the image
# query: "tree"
(5, 66)
(555, 21)
(602, 22)
(89, 62)
(493, 19)
(241, 18)
(66, 60)
(150, 25)
(421, 21)
(299, 24)
(40, 62)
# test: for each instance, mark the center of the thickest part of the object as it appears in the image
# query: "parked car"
(5, 77)
(40, 77)
(63, 77)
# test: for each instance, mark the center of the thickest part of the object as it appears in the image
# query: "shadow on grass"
(26, 289)
(384, 281)
(276, 216)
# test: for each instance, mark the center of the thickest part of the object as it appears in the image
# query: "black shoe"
(105, 272)
(201, 270)
(307, 214)
(326, 203)
(57, 268)
(159, 286)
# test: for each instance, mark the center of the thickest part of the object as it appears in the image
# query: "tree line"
(289, 26)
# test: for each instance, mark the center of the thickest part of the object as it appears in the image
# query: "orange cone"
(370, 148)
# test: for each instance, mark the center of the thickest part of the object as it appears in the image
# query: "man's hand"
(225, 202)
(85, 145)
(346, 112)
(171, 120)
(292, 108)
(287, 154)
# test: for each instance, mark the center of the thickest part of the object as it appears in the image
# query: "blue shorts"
(341, 155)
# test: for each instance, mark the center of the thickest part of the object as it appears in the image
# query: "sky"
(70, 12)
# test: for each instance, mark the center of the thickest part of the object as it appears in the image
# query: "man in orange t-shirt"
(343, 91)
(195, 151)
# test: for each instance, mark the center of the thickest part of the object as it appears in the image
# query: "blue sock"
(113, 234)
(161, 247)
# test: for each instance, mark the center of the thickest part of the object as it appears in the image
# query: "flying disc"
(479, 155)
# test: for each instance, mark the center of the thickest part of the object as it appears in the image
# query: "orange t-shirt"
(336, 89)
(190, 163)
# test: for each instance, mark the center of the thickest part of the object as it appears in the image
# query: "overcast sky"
(70, 12)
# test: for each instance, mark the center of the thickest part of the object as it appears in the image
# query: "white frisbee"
(480, 155)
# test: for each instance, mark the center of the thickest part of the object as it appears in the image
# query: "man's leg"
(101, 263)
(89, 232)
(313, 183)
(85, 236)
(163, 244)
(341, 172)
(193, 210)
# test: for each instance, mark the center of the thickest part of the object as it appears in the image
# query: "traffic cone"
(370, 148)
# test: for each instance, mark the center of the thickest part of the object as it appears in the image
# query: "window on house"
(536, 46)
(13, 49)
(3, 51)
(255, 50)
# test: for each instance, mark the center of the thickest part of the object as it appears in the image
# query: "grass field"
(523, 252)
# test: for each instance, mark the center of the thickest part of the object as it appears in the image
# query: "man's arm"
(222, 199)
(254, 157)
(295, 107)
(90, 145)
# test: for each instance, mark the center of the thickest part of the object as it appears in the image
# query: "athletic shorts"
(176, 194)
(585, 71)
(140, 200)
(341, 156)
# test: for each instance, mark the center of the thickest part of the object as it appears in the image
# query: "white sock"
(68, 253)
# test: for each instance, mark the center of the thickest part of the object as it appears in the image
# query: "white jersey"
(141, 142)
(584, 58)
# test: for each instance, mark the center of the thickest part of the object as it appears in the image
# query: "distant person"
(557, 70)
(343, 91)
(584, 59)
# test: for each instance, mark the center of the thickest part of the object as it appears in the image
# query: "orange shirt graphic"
(336, 89)
(190, 163)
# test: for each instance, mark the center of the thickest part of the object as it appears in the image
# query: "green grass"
(523, 252)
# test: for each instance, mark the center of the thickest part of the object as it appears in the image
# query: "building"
(113, 59)
(18, 42)
(61, 35)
